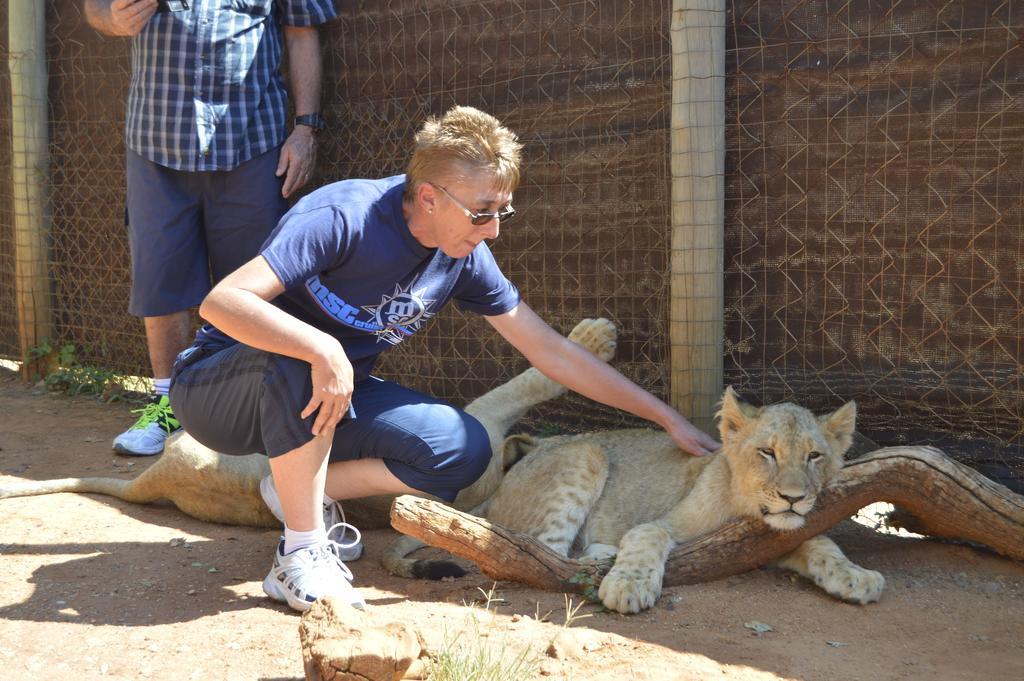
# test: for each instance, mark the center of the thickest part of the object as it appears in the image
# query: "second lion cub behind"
(633, 495)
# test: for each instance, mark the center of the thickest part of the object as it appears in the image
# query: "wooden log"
(499, 552)
(951, 500)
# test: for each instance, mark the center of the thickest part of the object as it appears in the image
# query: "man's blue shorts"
(241, 400)
(186, 227)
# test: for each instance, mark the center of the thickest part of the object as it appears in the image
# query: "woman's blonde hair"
(464, 139)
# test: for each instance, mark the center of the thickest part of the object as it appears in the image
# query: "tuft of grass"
(572, 612)
(487, 598)
(475, 660)
(539, 617)
(471, 655)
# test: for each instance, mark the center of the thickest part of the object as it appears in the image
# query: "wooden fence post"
(698, 194)
(30, 174)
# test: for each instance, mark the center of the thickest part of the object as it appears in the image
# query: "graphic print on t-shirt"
(401, 313)
(398, 315)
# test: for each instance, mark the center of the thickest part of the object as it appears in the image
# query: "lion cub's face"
(780, 456)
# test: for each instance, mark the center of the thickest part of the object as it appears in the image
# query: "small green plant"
(589, 586)
(74, 378)
(41, 351)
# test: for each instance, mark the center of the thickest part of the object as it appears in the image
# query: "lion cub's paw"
(596, 553)
(597, 335)
(630, 590)
(852, 583)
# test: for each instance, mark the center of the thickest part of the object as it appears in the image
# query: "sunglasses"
(506, 213)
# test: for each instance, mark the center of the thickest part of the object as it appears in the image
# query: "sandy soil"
(92, 587)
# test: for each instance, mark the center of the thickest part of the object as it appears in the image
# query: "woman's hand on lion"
(691, 439)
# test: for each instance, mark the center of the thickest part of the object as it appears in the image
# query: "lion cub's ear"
(734, 414)
(839, 426)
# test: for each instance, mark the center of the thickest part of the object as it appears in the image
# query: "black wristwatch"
(312, 120)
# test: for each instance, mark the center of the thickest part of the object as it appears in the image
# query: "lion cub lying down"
(633, 495)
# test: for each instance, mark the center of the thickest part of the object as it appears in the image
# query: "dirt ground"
(94, 587)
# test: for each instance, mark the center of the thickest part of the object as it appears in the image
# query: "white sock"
(161, 386)
(294, 539)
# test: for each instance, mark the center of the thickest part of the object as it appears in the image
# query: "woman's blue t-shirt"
(351, 268)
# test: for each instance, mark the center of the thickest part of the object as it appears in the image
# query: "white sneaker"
(334, 518)
(301, 577)
(146, 437)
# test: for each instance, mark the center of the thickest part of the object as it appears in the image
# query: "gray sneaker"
(146, 437)
(334, 521)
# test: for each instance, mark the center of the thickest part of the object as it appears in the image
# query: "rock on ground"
(340, 643)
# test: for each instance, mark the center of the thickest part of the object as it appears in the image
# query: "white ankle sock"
(161, 386)
(294, 539)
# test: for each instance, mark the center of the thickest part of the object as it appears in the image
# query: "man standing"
(208, 165)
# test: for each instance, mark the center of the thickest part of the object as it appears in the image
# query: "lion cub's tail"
(122, 489)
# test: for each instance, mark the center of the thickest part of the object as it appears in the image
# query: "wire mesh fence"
(585, 85)
(872, 214)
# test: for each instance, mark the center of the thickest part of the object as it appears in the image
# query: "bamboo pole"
(30, 173)
(698, 194)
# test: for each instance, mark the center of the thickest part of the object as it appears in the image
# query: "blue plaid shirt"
(206, 90)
